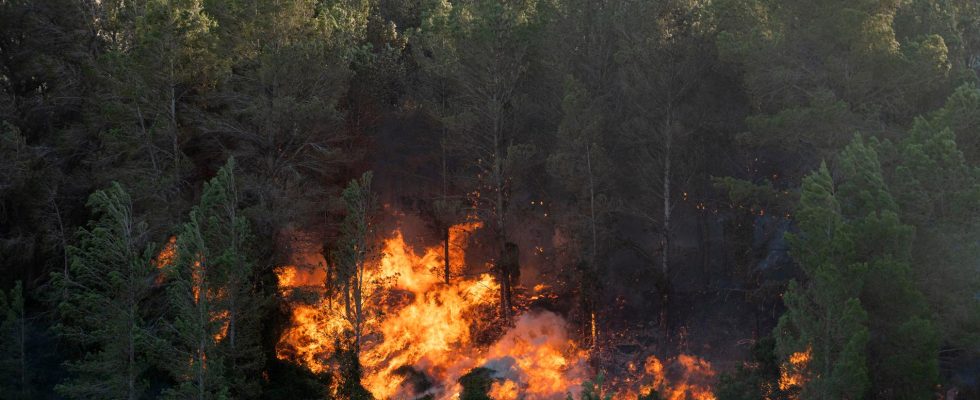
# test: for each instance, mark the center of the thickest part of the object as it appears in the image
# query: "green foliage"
(937, 190)
(758, 378)
(592, 390)
(476, 384)
(15, 371)
(860, 313)
(102, 307)
(217, 311)
(825, 315)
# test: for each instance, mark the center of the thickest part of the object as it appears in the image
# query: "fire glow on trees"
(432, 328)
(791, 373)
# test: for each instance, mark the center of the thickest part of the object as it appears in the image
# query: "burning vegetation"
(424, 336)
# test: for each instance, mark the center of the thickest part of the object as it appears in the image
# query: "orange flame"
(683, 378)
(430, 327)
(791, 374)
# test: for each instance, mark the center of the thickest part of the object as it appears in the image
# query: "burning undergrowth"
(423, 335)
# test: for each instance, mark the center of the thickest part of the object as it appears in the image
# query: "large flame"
(422, 326)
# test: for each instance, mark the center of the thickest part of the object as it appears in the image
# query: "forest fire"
(430, 327)
(433, 330)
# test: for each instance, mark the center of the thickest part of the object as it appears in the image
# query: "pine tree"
(159, 57)
(15, 373)
(581, 165)
(355, 251)
(102, 308)
(481, 51)
(824, 315)
(856, 254)
(937, 192)
(903, 351)
(217, 313)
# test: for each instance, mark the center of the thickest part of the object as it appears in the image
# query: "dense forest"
(490, 199)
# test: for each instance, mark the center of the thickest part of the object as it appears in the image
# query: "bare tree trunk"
(665, 240)
(359, 308)
(445, 191)
(498, 176)
(595, 245)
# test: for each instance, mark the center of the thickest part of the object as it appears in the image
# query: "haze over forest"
(490, 199)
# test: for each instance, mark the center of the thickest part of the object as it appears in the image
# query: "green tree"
(937, 191)
(281, 106)
(824, 315)
(756, 379)
(903, 351)
(103, 306)
(476, 384)
(581, 165)
(159, 58)
(15, 372)
(482, 49)
(216, 350)
(355, 251)
(859, 313)
(657, 122)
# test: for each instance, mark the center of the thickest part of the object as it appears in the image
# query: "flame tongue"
(425, 338)
(428, 326)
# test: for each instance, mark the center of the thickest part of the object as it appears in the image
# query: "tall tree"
(280, 108)
(581, 165)
(217, 311)
(856, 252)
(355, 251)
(937, 191)
(824, 316)
(903, 350)
(103, 306)
(656, 118)
(159, 57)
(482, 48)
(15, 372)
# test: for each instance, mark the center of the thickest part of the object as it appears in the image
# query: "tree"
(355, 251)
(592, 390)
(280, 108)
(581, 165)
(824, 315)
(159, 57)
(482, 49)
(15, 373)
(759, 378)
(656, 116)
(216, 349)
(860, 314)
(903, 350)
(937, 191)
(103, 306)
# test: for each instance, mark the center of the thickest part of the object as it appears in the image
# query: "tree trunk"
(445, 250)
(23, 350)
(359, 309)
(498, 176)
(665, 243)
(593, 332)
(445, 191)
